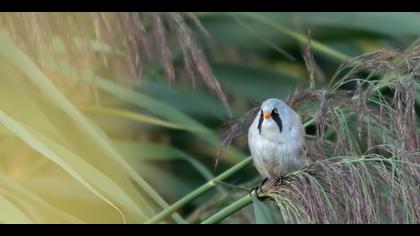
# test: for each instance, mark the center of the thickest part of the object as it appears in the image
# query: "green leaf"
(163, 110)
(328, 27)
(131, 116)
(138, 153)
(255, 83)
(263, 212)
(38, 145)
(299, 37)
(13, 55)
(134, 151)
(391, 24)
(197, 103)
(48, 212)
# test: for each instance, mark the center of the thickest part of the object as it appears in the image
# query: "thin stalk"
(198, 192)
(229, 210)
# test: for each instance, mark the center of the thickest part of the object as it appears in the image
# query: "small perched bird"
(276, 140)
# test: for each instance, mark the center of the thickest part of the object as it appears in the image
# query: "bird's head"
(276, 117)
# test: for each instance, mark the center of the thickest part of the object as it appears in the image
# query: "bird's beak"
(267, 115)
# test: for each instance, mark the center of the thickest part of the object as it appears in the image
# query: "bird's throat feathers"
(274, 120)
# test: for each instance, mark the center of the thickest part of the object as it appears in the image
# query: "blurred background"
(111, 117)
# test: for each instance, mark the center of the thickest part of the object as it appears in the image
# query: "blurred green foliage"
(89, 145)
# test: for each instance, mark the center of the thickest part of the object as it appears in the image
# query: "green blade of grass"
(30, 196)
(31, 140)
(166, 111)
(132, 116)
(170, 113)
(22, 62)
(151, 105)
(302, 39)
(28, 109)
(11, 214)
(158, 152)
(268, 42)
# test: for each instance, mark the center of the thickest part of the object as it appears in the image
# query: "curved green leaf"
(263, 213)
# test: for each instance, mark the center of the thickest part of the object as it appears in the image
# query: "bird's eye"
(275, 110)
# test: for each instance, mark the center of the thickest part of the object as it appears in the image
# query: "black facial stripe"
(277, 119)
(260, 121)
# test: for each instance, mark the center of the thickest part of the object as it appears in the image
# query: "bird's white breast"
(276, 153)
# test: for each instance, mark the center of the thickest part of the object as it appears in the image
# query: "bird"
(276, 140)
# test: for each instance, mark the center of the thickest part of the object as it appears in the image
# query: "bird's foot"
(257, 189)
(264, 181)
(280, 180)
